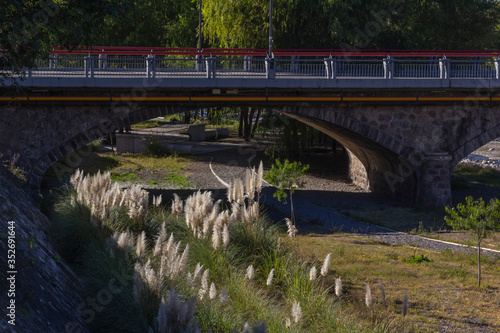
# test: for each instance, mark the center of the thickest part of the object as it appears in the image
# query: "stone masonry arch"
(43, 134)
(377, 161)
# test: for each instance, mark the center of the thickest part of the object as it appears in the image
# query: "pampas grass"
(338, 286)
(291, 229)
(212, 294)
(326, 265)
(100, 194)
(368, 295)
(270, 277)
(140, 245)
(296, 312)
(250, 273)
(312, 274)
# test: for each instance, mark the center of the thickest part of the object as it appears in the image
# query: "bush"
(155, 148)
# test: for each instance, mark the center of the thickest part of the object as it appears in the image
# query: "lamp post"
(199, 28)
(270, 28)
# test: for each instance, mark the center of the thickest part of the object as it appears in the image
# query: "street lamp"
(199, 28)
(270, 28)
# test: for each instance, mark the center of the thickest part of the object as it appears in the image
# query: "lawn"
(148, 171)
(442, 290)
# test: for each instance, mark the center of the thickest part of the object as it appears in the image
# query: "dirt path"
(316, 205)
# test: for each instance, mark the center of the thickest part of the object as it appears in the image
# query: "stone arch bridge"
(403, 150)
(404, 134)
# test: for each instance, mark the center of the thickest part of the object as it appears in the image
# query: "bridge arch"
(378, 161)
(110, 120)
(475, 143)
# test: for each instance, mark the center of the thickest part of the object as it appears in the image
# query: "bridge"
(406, 117)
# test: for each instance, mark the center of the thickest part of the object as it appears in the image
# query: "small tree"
(285, 177)
(477, 217)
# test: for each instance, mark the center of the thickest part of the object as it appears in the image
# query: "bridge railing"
(256, 65)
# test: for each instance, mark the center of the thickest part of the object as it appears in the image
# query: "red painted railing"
(122, 50)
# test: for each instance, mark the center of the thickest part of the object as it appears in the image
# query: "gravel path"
(315, 201)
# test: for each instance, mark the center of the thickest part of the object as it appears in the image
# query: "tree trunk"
(256, 122)
(292, 213)
(240, 126)
(248, 123)
(479, 264)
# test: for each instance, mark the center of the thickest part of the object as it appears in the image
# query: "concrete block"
(196, 132)
(130, 143)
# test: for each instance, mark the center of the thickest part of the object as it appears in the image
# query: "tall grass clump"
(197, 265)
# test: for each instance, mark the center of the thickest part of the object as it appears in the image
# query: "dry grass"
(442, 292)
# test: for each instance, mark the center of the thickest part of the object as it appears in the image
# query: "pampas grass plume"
(270, 277)
(296, 312)
(368, 295)
(338, 286)
(141, 245)
(213, 291)
(326, 265)
(250, 272)
(312, 273)
(292, 230)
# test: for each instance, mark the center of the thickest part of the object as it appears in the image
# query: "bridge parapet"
(255, 68)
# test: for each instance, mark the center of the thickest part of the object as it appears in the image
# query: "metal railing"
(248, 64)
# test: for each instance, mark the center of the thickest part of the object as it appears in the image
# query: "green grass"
(146, 124)
(478, 174)
(445, 287)
(158, 171)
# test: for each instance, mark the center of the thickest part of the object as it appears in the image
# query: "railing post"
(444, 68)
(89, 67)
(199, 63)
(150, 66)
(53, 61)
(270, 70)
(334, 68)
(388, 67)
(210, 64)
(103, 63)
(247, 63)
(497, 68)
(328, 67)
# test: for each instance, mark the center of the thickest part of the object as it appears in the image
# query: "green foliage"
(418, 259)
(475, 216)
(95, 146)
(286, 176)
(154, 23)
(29, 29)
(478, 173)
(155, 148)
